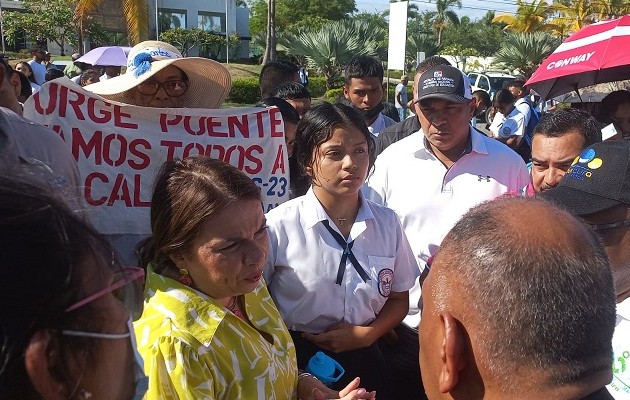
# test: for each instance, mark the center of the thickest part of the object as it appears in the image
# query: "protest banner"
(120, 148)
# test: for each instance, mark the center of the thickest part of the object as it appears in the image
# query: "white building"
(219, 16)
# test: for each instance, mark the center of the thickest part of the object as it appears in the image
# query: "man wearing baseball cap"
(597, 188)
(434, 176)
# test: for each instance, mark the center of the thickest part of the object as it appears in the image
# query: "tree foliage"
(329, 48)
(523, 52)
(52, 20)
(292, 14)
(136, 15)
(530, 17)
(481, 35)
(210, 44)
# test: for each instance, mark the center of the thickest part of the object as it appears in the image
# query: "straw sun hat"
(209, 82)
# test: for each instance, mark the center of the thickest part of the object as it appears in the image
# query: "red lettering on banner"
(120, 145)
(242, 124)
(120, 191)
(212, 124)
(105, 114)
(52, 100)
(58, 131)
(278, 164)
(134, 150)
(254, 159)
(189, 147)
(88, 189)
(93, 147)
(170, 146)
(118, 116)
(201, 126)
(112, 149)
(75, 104)
(259, 120)
(165, 122)
(276, 121)
(136, 193)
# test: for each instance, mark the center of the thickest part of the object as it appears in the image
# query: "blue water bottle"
(325, 368)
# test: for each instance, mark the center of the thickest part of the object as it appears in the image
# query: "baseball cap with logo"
(446, 83)
(598, 179)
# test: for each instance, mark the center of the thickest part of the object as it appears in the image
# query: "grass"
(243, 70)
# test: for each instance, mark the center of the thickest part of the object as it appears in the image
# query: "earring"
(84, 394)
(185, 278)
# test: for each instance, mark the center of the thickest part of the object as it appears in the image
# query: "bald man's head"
(532, 288)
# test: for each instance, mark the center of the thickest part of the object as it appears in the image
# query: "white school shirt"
(507, 126)
(619, 388)
(429, 198)
(304, 260)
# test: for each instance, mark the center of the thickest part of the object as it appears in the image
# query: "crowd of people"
(424, 256)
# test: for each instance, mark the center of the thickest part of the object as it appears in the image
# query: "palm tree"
(530, 17)
(420, 42)
(523, 52)
(607, 9)
(572, 17)
(443, 15)
(135, 12)
(329, 48)
(270, 42)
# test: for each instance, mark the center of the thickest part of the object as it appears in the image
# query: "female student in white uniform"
(340, 266)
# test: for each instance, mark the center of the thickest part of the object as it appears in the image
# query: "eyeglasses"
(128, 294)
(99, 335)
(599, 227)
(174, 88)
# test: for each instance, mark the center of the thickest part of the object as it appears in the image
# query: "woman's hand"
(351, 392)
(342, 337)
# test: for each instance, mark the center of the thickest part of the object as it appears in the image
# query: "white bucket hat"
(209, 82)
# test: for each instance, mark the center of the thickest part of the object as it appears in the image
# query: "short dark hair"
(53, 73)
(363, 67)
(517, 83)
(431, 62)
(483, 96)
(87, 74)
(503, 96)
(274, 73)
(611, 102)
(25, 85)
(31, 77)
(537, 306)
(318, 126)
(565, 120)
(289, 113)
(291, 90)
(45, 249)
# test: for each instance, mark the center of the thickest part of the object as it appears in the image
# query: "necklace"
(233, 306)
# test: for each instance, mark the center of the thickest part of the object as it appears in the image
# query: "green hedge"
(333, 95)
(247, 91)
(317, 86)
(244, 91)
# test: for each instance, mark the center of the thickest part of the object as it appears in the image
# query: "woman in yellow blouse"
(209, 329)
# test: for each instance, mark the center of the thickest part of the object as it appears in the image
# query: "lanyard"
(347, 254)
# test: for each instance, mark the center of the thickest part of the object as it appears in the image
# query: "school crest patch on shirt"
(385, 282)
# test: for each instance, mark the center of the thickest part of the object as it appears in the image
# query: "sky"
(472, 8)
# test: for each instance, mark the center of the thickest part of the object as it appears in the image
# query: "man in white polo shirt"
(431, 178)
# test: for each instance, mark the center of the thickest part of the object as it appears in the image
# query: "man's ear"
(16, 83)
(453, 353)
(345, 92)
(40, 355)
